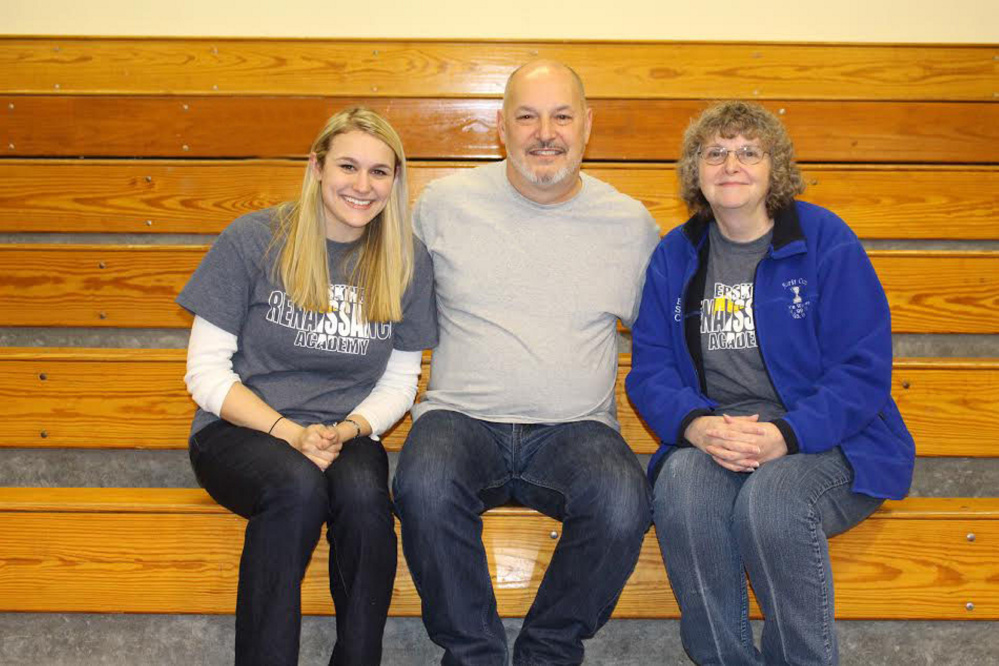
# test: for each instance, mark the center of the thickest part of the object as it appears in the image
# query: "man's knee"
(617, 495)
(431, 470)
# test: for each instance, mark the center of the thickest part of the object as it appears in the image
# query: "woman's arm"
(216, 388)
(391, 396)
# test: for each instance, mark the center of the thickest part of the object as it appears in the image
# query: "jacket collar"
(787, 237)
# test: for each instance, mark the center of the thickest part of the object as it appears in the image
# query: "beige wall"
(777, 20)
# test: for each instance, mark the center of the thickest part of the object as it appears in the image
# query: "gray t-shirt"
(529, 296)
(733, 366)
(312, 367)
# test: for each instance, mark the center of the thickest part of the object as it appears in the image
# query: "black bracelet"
(271, 429)
(355, 424)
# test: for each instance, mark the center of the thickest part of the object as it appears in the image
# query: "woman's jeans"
(454, 467)
(774, 523)
(286, 499)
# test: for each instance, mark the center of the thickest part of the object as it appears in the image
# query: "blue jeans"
(454, 467)
(286, 499)
(774, 523)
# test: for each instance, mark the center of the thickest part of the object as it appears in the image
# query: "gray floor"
(91, 640)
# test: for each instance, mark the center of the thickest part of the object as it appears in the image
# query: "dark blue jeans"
(714, 525)
(286, 499)
(454, 467)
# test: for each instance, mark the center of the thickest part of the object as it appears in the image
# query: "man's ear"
(501, 126)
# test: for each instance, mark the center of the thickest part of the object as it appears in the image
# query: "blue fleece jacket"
(824, 332)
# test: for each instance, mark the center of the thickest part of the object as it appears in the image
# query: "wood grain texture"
(187, 562)
(116, 398)
(195, 500)
(173, 196)
(408, 68)
(462, 128)
(135, 287)
(940, 292)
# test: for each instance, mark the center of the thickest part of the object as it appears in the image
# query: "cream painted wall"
(975, 21)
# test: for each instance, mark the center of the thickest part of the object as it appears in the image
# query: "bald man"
(534, 263)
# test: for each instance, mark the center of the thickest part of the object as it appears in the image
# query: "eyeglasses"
(748, 155)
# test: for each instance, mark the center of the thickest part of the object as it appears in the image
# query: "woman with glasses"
(762, 359)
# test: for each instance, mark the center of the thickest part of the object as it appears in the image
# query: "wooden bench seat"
(173, 196)
(176, 551)
(135, 398)
(135, 286)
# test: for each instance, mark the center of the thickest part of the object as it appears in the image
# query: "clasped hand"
(319, 443)
(737, 443)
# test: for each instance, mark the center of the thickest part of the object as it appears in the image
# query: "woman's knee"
(297, 489)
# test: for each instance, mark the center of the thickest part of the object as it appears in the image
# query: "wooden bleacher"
(179, 136)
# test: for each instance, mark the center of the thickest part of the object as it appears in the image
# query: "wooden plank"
(93, 285)
(135, 287)
(940, 292)
(434, 128)
(62, 399)
(195, 500)
(173, 196)
(407, 68)
(185, 562)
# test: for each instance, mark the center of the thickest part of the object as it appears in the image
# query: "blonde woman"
(310, 320)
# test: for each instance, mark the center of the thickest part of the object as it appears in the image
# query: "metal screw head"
(102, 265)
(56, 86)
(185, 106)
(905, 384)
(185, 147)
(554, 534)
(781, 112)
(971, 536)
(10, 105)
(970, 606)
(10, 146)
(149, 223)
(215, 86)
(149, 179)
(102, 315)
(44, 434)
(42, 376)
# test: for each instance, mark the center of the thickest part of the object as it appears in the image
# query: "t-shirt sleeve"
(219, 291)
(418, 328)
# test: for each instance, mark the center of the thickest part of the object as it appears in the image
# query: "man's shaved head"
(550, 66)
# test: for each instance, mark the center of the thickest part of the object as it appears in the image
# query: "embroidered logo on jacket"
(800, 301)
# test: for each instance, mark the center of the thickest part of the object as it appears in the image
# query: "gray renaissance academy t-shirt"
(733, 366)
(312, 367)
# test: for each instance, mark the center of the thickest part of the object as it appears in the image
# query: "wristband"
(271, 429)
(355, 424)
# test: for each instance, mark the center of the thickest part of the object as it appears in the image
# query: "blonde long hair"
(383, 263)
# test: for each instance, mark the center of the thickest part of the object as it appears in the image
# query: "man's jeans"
(454, 467)
(287, 498)
(712, 523)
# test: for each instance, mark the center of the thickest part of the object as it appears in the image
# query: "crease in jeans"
(764, 562)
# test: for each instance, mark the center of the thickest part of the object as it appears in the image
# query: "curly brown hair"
(728, 120)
